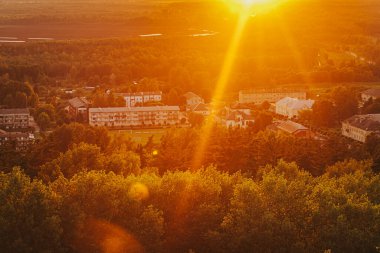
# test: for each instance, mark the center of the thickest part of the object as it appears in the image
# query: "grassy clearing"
(141, 136)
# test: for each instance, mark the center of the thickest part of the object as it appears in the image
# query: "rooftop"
(368, 122)
(78, 102)
(375, 92)
(199, 107)
(289, 126)
(15, 111)
(234, 115)
(272, 90)
(134, 109)
(141, 93)
(189, 95)
(295, 103)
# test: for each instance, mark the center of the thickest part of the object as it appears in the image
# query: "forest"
(86, 189)
(82, 190)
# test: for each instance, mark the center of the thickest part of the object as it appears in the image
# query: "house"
(370, 94)
(193, 99)
(259, 96)
(291, 127)
(359, 127)
(131, 99)
(200, 108)
(237, 119)
(135, 117)
(16, 140)
(78, 108)
(290, 107)
(240, 108)
(14, 118)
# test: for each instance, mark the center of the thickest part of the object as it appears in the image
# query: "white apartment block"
(129, 117)
(131, 99)
(290, 107)
(359, 127)
(269, 95)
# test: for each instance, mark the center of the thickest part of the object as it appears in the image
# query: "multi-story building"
(290, 107)
(14, 118)
(269, 95)
(15, 140)
(359, 127)
(130, 117)
(131, 99)
(370, 94)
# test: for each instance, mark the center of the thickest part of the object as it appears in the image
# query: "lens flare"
(252, 6)
(138, 191)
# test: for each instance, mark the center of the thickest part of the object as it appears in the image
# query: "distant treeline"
(176, 63)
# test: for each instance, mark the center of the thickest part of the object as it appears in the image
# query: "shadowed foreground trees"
(29, 221)
(283, 209)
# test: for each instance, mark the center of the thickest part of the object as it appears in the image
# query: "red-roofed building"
(293, 128)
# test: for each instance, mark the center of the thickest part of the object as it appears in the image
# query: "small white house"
(193, 99)
(201, 109)
(237, 119)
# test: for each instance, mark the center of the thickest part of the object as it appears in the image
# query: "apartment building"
(16, 140)
(270, 95)
(131, 99)
(14, 118)
(130, 117)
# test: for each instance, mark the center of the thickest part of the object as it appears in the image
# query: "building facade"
(359, 127)
(290, 107)
(236, 119)
(269, 95)
(14, 119)
(16, 140)
(131, 99)
(135, 117)
(78, 108)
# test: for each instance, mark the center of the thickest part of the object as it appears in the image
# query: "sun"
(249, 3)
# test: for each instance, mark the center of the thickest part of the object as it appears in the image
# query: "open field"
(141, 136)
(70, 19)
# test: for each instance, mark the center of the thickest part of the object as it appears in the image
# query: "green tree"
(345, 101)
(324, 114)
(81, 157)
(43, 120)
(29, 221)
